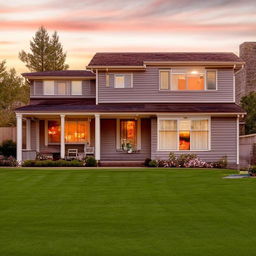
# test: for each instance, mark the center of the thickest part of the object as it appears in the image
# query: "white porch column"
(28, 134)
(19, 137)
(37, 136)
(97, 136)
(62, 136)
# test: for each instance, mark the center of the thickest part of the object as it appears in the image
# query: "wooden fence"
(247, 151)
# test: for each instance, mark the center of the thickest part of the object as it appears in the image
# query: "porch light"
(194, 72)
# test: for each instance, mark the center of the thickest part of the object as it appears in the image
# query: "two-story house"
(132, 106)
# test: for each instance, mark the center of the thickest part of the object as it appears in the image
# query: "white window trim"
(47, 143)
(118, 136)
(122, 74)
(178, 124)
(182, 73)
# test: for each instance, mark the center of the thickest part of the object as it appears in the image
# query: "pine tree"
(46, 54)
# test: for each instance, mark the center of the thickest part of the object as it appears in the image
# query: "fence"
(247, 154)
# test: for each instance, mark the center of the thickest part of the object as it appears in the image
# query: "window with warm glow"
(76, 131)
(183, 134)
(61, 87)
(197, 79)
(128, 134)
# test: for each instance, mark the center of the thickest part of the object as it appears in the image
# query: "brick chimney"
(246, 78)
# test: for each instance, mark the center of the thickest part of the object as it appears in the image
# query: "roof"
(67, 73)
(81, 106)
(138, 58)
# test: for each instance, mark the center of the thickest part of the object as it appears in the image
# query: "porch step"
(121, 163)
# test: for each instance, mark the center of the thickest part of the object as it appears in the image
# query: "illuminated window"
(61, 87)
(183, 134)
(123, 80)
(53, 131)
(128, 134)
(76, 131)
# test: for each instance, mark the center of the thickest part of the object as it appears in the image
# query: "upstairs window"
(178, 79)
(123, 80)
(76, 88)
(48, 87)
(61, 88)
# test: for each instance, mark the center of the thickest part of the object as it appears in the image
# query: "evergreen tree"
(14, 92)
(46, 53)
(249, 105)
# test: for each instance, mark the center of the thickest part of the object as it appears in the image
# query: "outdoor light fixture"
(194, 72)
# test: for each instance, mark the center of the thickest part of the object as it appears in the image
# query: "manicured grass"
(142, 212)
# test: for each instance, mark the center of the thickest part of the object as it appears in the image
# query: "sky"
(89, 26)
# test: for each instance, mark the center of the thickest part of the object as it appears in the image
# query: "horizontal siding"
(223, 141)
(108, 142)
(88, 90)
(146, 88)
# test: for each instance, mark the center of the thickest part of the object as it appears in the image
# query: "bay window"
(187, 79)
(76, 131)
(183, 134)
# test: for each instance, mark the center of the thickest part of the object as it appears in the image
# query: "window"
(123, 80)
(61, 87)
(48, 87)
(76, 131)
(164, 80)
(76, 88)
(168, 134)
(178, 79)
(128, 134)
(211, 78)
(183, 134)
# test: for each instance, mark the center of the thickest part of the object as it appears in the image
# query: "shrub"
(90, 161)
(10, 161)
(152, 163)
(197, 163)
(51, 163)
(163, 163)
(146, 162)
(222, 163)
(173, 161)
(8, 148)
(252, 170)
(184, 159)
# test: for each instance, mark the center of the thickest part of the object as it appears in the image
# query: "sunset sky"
(89, 26)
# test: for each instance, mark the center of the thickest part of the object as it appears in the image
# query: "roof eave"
(59, 77)
(103, 67)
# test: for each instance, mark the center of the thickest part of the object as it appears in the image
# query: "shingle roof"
(69, 73)
(138, 58)
(81, 106)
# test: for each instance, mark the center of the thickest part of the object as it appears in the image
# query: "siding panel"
(146, 88)
(223, 141)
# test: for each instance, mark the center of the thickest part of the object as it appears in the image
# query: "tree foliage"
(249, 105)
(46, 53)
(14, 92)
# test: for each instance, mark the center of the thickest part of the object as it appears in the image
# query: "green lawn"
(142, 212)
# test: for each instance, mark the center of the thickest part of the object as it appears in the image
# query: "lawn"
(144, 212)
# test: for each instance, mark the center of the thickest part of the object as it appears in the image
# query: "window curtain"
(199, 135)
(168, 134)
(76, 131)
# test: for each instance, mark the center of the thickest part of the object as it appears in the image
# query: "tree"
(249, 105)
(14, 92)
(46, 53)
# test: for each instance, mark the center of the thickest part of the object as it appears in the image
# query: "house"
(132, 106)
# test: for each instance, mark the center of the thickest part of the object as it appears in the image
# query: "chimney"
(246, 79)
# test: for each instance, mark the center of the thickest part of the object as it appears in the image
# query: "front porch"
(106, 137)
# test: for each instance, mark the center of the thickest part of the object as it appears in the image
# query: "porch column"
(19, 137)
(28, 134)
(62, 136)
(97, 136)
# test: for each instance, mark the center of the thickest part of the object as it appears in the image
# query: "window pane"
(195, 82)
(61, 87)
(128, 134)
(48, 87)
(168, 140)
(168, 125)
(211, 80)
(76, 88)
(178, 82)
(76, 131)
(53, 131)
(199, 125)
(199, 140)
(184, 137)
(119, 81)
(164, 80)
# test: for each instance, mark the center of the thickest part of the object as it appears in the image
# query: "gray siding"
(88, 90)
(108, 142)
(223, 141)
(146, 89)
